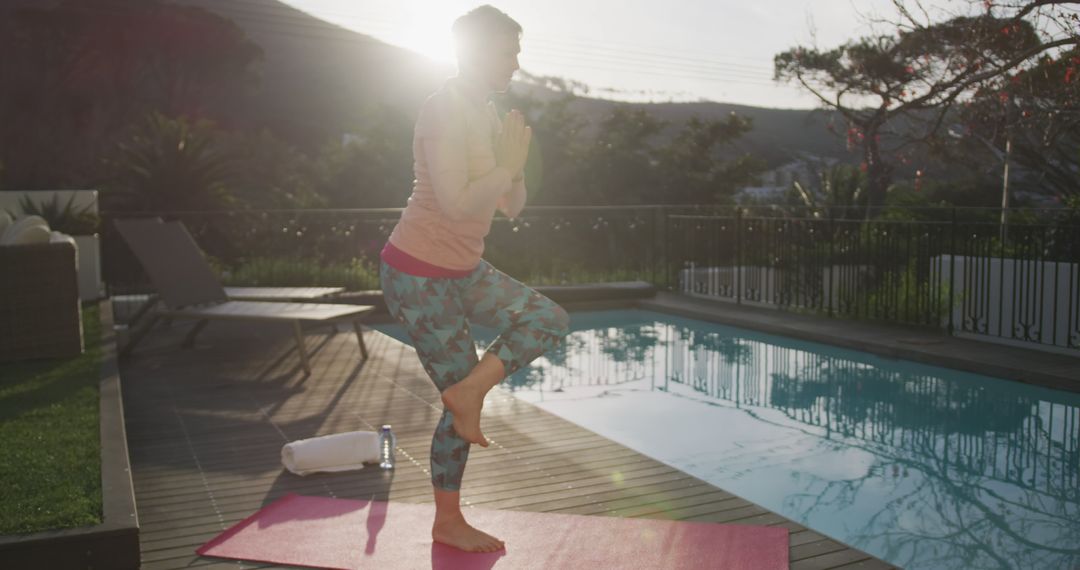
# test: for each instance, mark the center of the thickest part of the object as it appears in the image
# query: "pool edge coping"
(884, 342)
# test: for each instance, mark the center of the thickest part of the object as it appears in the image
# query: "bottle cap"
(386, 427)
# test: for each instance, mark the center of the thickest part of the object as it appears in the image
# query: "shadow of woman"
(370, 486)
(375, 520)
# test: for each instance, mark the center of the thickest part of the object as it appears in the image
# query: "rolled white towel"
(337, 452)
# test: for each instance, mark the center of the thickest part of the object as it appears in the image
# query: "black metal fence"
(961, 271)
(341, 247)
(953, 268)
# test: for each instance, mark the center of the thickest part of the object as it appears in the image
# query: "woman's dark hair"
(473, 31)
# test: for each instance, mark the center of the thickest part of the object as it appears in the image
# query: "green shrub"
(355, 275)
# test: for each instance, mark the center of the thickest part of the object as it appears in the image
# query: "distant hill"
(779, 135)
(318, 78)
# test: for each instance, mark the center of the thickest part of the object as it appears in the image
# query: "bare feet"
(459, 534)
(465, 402)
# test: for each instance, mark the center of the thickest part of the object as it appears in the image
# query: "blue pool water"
(921, 466)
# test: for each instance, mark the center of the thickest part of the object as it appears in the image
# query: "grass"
(49, 439)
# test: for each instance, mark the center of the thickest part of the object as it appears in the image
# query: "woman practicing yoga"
(467, 164)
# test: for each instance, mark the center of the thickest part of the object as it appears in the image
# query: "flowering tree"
(1026, 113)
(906, 82)
(1030, 117)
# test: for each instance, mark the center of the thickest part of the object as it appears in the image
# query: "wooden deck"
(205, 428)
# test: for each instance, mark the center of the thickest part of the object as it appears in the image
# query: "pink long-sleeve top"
(457, 187)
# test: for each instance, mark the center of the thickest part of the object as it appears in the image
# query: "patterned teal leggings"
(436, 313)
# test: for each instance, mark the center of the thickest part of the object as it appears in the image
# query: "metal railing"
(949, 268)
(341, 247)
(961, 273)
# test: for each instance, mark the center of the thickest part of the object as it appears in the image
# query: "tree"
(917, 73)
(269, 173)
(632, 157)
(620, 164)
(77, 74)
(693, 170)
(553, 171)
(834, 191)
(1030, 118)
(167, 164)
(371, 170)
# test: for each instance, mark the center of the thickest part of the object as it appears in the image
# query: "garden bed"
(65, 505)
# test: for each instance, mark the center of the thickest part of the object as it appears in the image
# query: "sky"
(658, 50)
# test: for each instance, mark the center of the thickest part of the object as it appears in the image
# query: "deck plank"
(206, 426)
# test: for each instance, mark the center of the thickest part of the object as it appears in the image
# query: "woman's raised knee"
(560, 321)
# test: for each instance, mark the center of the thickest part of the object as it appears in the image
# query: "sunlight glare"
(429, 31)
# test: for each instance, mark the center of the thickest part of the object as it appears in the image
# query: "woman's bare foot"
(461, 535)
(465, 403)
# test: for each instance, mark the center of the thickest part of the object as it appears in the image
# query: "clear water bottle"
(387, 443)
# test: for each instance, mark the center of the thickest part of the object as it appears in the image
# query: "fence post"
(660, 229)
(831, 263)
(738, 255)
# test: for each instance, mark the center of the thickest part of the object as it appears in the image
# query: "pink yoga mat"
(320, 532)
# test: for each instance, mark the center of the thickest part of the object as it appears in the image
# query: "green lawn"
(50, 474)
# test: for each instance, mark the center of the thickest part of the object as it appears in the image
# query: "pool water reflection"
(921, 466)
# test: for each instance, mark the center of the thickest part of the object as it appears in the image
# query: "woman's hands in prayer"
(512, 145)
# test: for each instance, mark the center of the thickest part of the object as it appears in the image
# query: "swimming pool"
(921, 466)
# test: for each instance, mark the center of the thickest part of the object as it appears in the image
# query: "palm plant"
(67, 219)
(837, 192)
(171, 165)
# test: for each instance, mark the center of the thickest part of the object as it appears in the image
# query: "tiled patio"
(205, 427)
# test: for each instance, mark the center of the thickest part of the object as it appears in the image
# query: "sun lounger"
(301, 294)
(282, 293)
(190, 290)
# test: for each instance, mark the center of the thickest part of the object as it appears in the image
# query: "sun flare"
(429, 31)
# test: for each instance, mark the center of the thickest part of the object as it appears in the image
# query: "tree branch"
(962, 81)
(1039, 4)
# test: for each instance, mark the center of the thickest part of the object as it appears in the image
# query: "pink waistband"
(406, 263)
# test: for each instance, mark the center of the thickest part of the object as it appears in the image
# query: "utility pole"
(1005, 173)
